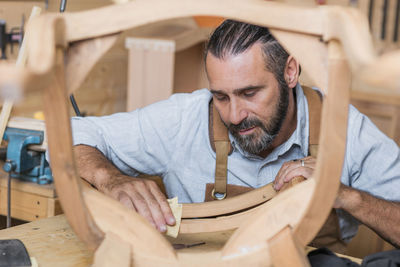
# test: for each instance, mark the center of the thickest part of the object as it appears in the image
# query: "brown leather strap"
(220, 143)
(314, 100)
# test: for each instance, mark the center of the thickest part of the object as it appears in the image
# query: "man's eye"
(220, 97)
(249, 93)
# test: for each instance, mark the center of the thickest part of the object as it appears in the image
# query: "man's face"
(248, 98)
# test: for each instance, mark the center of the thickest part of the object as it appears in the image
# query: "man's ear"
(292, 70)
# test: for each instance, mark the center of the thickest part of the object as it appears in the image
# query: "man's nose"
(237, 112)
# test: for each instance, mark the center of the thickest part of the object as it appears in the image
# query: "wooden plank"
(46, 190)
(24, 206)
(53, 207)
(149, 58)
(52, 242)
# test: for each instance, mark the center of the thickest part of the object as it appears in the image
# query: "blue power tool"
(21, 161)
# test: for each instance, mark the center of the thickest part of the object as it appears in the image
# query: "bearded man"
(253, 85)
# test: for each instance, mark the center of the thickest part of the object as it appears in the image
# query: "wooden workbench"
(29, 201)
(52, 242)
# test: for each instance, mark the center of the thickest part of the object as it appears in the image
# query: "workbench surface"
(51, 242)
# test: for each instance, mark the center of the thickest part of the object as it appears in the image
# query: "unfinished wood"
(150, 68)
(63, 165)
(286, 251)
(306, 205)
(84, 25)
(24, 206)
(29, 201)
(51, 242)
(153, 55)
(113, 252)
(77, 67)
(220, 223)
(46, 190)
(129, 226)
(229, 205)
(253, 232)
(331, 144)
(315, 67)
(365, 243)
(53, 207)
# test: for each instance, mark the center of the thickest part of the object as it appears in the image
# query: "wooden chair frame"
(330, 42)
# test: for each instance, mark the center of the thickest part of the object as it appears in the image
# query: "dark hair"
(234, 37)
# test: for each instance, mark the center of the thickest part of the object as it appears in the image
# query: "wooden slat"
(46, 190)
(24, 206)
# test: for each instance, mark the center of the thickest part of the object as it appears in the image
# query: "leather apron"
(329, 235)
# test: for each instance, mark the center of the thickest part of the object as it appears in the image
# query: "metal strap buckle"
(218, 196)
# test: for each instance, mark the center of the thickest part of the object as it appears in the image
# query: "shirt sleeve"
(141, 141)
(372, 165)
(372, 159)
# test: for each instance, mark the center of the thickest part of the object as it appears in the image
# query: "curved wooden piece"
(287, 208)
(351, 28)
(311, 200)
(88, 24)
(128, 225)
(62, 158)
(307, 219)
(299, 45)
(355, 35)
(47, 33)
(332, 142)
(222, 223)
(82, 56)
(229, 205)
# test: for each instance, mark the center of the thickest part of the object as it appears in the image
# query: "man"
(254, 86)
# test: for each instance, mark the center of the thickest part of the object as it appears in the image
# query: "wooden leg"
(285, 251)
(113, 251)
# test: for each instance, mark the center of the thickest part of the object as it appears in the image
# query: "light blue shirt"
(170, 139)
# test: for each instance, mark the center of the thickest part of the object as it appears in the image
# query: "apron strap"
(219, 139)
(314, 101)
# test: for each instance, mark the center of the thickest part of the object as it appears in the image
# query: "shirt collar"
(299, 136)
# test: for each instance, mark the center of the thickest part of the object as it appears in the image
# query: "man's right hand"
(141, 195)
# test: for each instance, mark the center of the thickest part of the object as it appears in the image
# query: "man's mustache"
(245, 124)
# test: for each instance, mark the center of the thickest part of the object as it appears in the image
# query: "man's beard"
(257, 142)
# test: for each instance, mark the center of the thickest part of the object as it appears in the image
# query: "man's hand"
(141, 195)
(292, 169)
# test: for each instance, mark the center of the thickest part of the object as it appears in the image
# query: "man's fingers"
(163, 203)
(143, 209)
(302, 167)
(153, 205)
(306, 172)
(126, 201)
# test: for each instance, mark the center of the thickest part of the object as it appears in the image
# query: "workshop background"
(124, 79)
